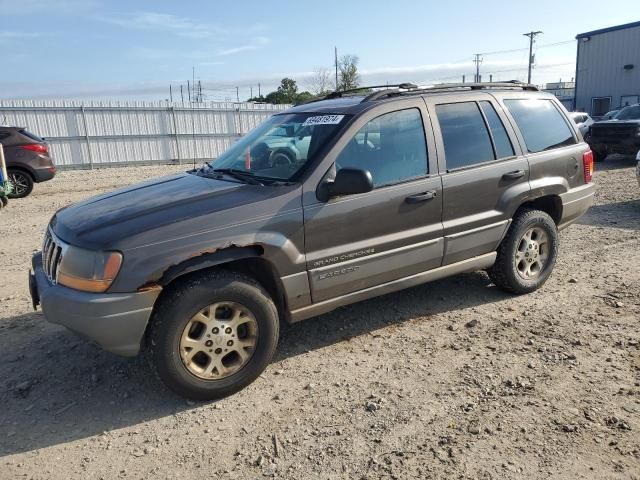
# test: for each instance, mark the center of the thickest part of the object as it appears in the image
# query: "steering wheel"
(280, 159)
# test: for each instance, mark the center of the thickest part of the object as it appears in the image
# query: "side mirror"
(350, 181)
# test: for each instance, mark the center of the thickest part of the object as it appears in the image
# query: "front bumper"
(115, 321)
(575, 203)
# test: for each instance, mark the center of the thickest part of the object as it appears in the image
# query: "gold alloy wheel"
(219, 340)
(532, 253)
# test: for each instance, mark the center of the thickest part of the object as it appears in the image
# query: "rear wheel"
(212, 335)
(21, 183)
(527, 254)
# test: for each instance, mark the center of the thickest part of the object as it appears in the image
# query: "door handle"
(514, 175)
(421, 197)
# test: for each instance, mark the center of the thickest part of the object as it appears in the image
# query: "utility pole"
(532, 36)
(170, 94)
(335, 52)
(477, 61)
(238, 94)
(259, 94)
(189, 90)
(181, 94)
(251, 89)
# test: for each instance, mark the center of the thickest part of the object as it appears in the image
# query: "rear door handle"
(514, 175)
(421, 197)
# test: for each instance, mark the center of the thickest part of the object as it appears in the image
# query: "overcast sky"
(128, 49)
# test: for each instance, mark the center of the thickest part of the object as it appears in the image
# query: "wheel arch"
(248, 260)
(550, 204)
(23, 168)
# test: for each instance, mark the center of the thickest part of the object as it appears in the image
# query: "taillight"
(587, 164)
(36, 147)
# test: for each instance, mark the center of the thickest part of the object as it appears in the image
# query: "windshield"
(628, 113)
(279, 147)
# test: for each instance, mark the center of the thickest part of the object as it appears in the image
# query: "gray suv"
(386, 190)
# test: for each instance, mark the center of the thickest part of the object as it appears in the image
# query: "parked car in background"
(388, 190)
(582, 120)
(619, 135)
(638, 167)
(609, 115)
(28, 160)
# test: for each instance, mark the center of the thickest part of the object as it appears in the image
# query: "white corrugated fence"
(94, 134)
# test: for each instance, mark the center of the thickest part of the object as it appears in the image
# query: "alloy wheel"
(219, 340)
(532, 253)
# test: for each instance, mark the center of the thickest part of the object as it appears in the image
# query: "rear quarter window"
(541, 124)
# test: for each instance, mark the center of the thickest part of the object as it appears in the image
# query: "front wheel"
(527, 254)
(212, 335)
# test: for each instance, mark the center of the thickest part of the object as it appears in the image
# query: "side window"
(465, 135)
(542, 125)
(500, 138)
(392, 147)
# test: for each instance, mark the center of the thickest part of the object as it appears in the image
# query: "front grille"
(52, 252)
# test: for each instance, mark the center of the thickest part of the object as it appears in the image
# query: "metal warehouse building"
(608, 69)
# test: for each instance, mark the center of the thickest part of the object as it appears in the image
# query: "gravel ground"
(453, 379)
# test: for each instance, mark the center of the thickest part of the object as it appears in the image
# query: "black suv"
(326, 204)
(28, 160)
(618, 135)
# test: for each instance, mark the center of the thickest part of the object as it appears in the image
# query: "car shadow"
(57, 388)
(617, 215)
(616, 162)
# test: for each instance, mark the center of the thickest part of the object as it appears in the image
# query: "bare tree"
(348, 72)
(320, 82)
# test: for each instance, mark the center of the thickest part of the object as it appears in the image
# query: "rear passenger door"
(484, 173)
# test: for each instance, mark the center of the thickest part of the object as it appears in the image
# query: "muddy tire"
(212, 335)
(527, 254)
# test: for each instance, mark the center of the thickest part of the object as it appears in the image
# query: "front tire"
(21, 183)
(527, 254)
(212, 335)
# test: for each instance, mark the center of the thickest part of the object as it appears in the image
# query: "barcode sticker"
(323, 120)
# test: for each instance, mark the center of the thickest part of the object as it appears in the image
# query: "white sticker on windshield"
(323, 120)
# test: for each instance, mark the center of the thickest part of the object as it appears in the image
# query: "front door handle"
(421, 197)
(514, 175)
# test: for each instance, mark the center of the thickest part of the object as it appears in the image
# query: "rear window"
(542, 125)
(32, 136)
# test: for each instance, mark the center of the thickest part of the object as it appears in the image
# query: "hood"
(104, 221)
(614, 122)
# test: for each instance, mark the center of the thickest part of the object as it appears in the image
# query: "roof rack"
(443, 87)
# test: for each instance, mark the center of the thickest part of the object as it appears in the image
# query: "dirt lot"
(453, 379)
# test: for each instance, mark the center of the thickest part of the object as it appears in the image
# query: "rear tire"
(527, 254)
(212, 335)
(21, 183)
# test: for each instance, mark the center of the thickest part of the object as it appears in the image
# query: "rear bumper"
(575, 203)
(44, 174)
(115, 321)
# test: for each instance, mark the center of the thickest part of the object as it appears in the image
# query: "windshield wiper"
(246, 177)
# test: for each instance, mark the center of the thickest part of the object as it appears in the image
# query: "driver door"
(359, 241)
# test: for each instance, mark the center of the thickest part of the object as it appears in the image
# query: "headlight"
(87, 270)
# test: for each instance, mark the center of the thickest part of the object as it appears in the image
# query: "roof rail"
(443, 87)
(340, 93)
